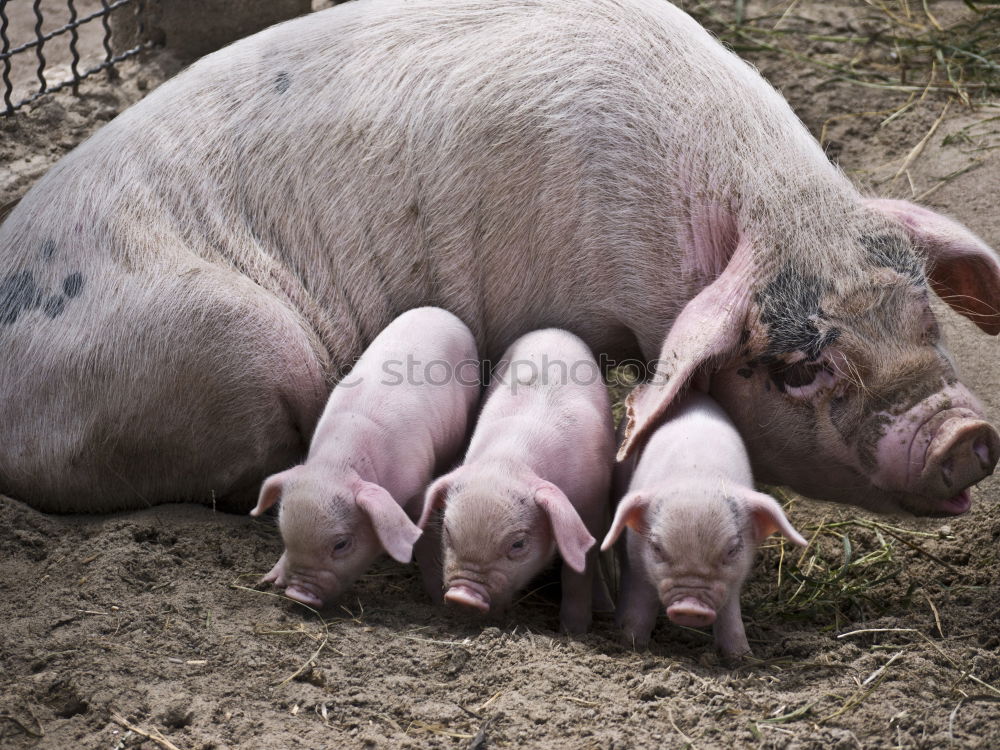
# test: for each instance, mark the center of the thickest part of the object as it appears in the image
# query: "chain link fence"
(48, 45)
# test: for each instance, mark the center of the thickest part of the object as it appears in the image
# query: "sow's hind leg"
(164, 385)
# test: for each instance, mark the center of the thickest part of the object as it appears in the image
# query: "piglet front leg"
(582, 591)
(576, 609)
(602, 601)
(427, 553)
(638, 602)
(730, 636)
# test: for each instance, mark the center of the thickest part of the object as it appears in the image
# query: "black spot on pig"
(736, 510)
(841, 417)
(789, 309)
(894, 252)
(282, 81)
(54, 306)
(18, 292)
(73, 284)
(48, 249)
(745, 372)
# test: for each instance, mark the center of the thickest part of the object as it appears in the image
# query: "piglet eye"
(342, 544)
(518, 548)
(659, 552)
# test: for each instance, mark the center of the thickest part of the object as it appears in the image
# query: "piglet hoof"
(275, 575)
(271, 577)
(575, 624)
(735, 654)
(633, 641)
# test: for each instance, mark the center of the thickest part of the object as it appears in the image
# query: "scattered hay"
(846, 574)
(898, 46)
(620, 381)
(153, 734)
(322, 636)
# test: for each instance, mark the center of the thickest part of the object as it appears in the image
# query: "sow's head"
(831, 364)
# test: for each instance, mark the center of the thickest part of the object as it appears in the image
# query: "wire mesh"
(107, 58)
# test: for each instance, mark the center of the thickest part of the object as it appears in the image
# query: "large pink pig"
(179, 293)
(400, 414)
(535, 478)
(693, 524)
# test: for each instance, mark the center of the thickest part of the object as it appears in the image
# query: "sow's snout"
(938, 449)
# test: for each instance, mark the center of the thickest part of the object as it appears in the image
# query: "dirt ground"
(883, 633)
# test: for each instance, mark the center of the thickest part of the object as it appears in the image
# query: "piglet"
(694, 522)
(401, 415)
(535, 479)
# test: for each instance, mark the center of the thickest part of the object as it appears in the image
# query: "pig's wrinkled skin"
(386, 429)
(693, 522)
(535, 478)
(178, 294)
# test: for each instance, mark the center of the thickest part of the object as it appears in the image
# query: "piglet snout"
(691, 613)
(468, 594)
(304, 596)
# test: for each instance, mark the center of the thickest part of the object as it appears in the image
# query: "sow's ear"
(394, 529)
(767, 518)
(705, 334)
(270, 491)
(963, 270)
(572, 537)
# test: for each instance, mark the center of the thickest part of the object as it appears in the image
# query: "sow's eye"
(802, 379)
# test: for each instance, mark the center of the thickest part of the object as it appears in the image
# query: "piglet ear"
(393, 527)
(768, 518)
(436, 496)
(270, 491)
(705, 335)
(631, 512)
(571, 535)
(963, 270)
